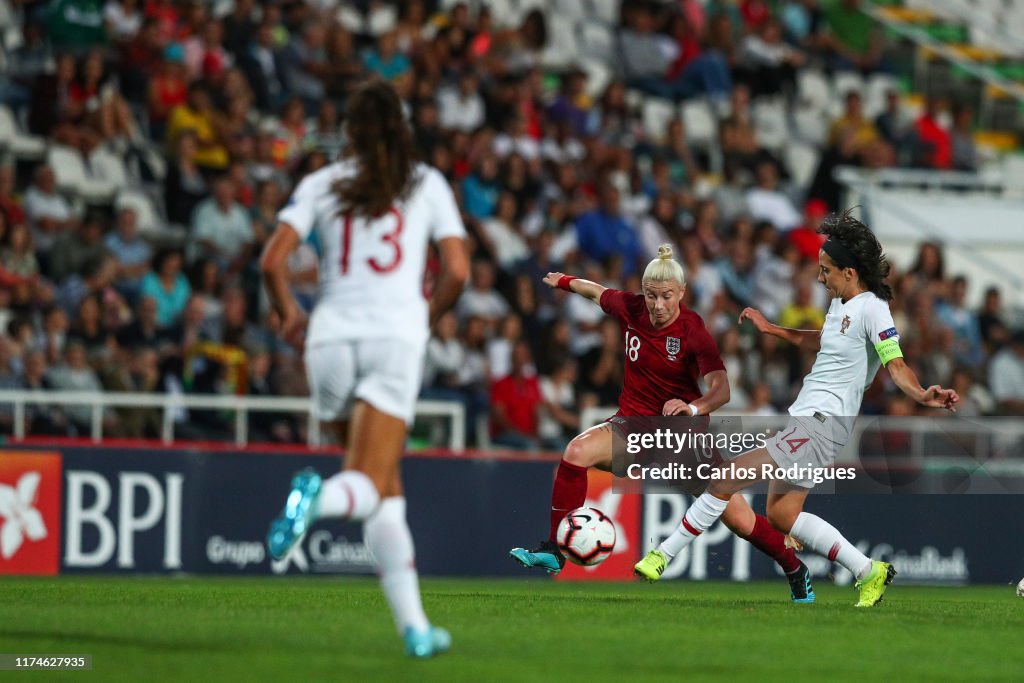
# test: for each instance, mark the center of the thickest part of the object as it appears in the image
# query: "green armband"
(887, 350)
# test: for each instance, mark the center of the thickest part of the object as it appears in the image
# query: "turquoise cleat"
(424, 644)
(298, 515)
(545, 556)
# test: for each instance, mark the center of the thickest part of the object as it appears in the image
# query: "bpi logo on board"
(30, 492)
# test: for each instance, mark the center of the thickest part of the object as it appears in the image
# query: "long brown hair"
(381, 140)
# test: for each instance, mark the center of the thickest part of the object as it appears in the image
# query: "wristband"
(693, 410)
(563, 282)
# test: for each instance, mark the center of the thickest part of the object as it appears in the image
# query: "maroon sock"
(568, 493)
(772, 543)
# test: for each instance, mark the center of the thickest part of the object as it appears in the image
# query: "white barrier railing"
(241, 405)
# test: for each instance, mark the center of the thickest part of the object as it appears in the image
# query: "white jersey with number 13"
(371, 270)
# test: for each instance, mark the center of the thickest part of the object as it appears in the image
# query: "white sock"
(824, 539)
(349, 495)
(386, 534)
(704, 512)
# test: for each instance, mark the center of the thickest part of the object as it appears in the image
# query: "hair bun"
(665, 252)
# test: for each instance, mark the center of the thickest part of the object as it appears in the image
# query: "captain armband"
(888, 350)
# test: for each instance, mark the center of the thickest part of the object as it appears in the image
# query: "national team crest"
(845, 326)
(672, 346)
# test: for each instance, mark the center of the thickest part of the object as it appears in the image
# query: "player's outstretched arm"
(717, 395)
(934, 396)
(806, 339)
(569, 283)
(454, 271)
(274, 267)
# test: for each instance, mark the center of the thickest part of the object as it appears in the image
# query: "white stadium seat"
(606, 11)
(700, 122)
(813, 88)
(802, 161)
(562, 50)
(597, 41)
(656, 114)
(73, 177)
(598, 76)
(16, 142)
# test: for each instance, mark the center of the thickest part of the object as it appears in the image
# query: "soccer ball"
(1020, 587)
(586, 536)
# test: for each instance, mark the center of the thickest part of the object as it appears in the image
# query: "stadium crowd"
(242, 99)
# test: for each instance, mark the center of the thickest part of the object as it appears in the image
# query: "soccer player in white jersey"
(859, 336)
(375, 211)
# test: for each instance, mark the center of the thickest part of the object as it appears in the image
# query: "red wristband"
(563, 282)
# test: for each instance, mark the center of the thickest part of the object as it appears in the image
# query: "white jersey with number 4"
(856, 336)
(371, 270)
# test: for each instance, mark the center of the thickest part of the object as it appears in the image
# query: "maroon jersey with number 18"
(661, 364)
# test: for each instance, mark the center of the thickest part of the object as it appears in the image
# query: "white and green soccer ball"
(1020, 589)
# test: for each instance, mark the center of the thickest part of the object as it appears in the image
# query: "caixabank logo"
(30, 494)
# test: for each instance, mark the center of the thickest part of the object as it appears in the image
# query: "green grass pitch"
(191, 629)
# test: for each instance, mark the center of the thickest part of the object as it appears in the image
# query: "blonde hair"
(664, 268)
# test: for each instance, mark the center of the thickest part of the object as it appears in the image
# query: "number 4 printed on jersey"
(392, 237)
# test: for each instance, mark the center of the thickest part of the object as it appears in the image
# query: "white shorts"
(386, 373)
(807, 442)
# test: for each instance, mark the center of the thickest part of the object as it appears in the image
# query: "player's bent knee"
(576, 453)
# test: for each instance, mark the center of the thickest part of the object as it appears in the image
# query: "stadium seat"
(16, 142)
(656, 114)
(874, 95)
(598, 76)
(562, 50)
(73, 177)
(810, 124)
(351, 18)
(571, 10)
(382, 18)
(148, 219)
(845, 81)
(801, 160)
(700, 123)
(813, 88)
(606, 11)
(504, 14)
(597, 41)
(770, 123)
(108, 167)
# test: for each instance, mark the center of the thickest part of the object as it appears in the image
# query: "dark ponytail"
(382, 143)
(853, 245)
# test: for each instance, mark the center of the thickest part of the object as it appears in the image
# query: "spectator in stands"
(480, 299)
(76, 24)
(10, 203)
(768, 203)
(87, 329)
(75, 374)
(929, 272)
(167, 89)
(168, 286)
(962, 322)
(516, 402)
(304, 65)
(47, 211)
(601, 380)
(769, 64)
(198, 115)
(185, 185)
(143, 330)
(994, 331)
(205, 55)
(74, 248)
(890, 123)
(261, 63)
(975, 400)
(96, 276)
(480, 190)
(499, 347)
(1006, 376)
(41, 419)
(17, 257)
(964, 153)
(604, 232)
(853, 122)
(737, 272)
(221, 228)
(853, 40)
(932, 142)
(133, 254)
(385, 60)
(53, 335)
(559, 419)
(501, 236)
(802, 313)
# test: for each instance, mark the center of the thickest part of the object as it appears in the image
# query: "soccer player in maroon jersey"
(668, 350)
